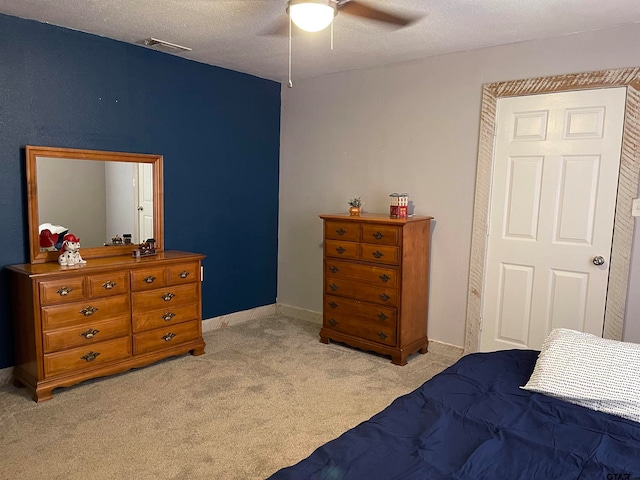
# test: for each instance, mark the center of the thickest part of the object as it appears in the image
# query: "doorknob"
(598, 260)
(140, 208)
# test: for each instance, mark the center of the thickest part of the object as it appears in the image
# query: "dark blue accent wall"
(218, 130)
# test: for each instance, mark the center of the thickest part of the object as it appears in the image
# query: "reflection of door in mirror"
(145, 202)
(121, 199)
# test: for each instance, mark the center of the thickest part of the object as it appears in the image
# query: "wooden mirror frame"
(33, 152)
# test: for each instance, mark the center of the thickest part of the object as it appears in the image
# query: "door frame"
(627, 188)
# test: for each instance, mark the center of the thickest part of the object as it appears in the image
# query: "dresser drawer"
(342, 231)
(88, 334)
(165, 297)
(162, 338)
(108, 284)
(381, 234)
(368, 273)
(338, 249)
(361, 291)
(165, 317)
(365, 312)
(84, 313)
(183, 273)
(62, 291)
(380, 254)
(376, 333)
(85, 358)
(147, 279)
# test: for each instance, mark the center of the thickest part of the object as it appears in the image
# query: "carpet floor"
(264, 395)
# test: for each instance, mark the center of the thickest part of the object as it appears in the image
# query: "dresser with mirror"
(120, 309)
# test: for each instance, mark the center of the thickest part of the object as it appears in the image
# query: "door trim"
(627, 188)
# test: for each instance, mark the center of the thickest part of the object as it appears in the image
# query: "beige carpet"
(264, 396)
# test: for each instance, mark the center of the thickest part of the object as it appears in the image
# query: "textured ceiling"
(232, 33)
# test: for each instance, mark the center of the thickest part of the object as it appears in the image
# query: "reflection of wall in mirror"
(72, 193)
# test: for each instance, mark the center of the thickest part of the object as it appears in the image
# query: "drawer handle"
(384, 297)
(333, 305)
(340, 250)
(385, 278)
(90, 333)
(382, 317)
(183, 274)
(90, 356)
(149, 279)
(341, 231)
(109, 285)
(334, 269)
(168, 316)
(382, 335)
(378, 236)
(168, 296)
(88, 311)
(168, 337)
(378, 254)
(64, 291)
(332, 322)
(333, 287)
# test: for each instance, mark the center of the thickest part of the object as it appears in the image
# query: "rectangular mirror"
(95, 195)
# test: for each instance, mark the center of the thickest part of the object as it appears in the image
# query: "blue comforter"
(473, 422)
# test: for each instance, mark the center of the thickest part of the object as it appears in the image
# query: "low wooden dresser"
(103, 317)
(376, 277)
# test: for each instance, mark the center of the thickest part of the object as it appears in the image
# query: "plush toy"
(70, 251)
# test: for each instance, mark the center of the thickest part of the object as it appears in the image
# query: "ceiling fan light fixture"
(312, 15)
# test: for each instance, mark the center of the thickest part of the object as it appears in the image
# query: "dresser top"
(373, 218)
(103, 263)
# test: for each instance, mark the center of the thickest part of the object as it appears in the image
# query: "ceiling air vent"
(164, 46)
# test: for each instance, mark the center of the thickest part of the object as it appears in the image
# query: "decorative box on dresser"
(103, 317)
(376, 277)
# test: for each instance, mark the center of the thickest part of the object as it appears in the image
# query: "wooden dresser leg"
(424, 349)
(43, 394)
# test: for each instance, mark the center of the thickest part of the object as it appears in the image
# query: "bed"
(474, 421)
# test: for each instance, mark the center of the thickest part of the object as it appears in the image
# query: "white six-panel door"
(553, 193)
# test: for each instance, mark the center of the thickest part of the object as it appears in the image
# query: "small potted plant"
(355, 205)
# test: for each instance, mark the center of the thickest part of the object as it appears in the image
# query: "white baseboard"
(6, 374)
(234, 318)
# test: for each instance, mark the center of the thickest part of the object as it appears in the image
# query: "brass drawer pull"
(333, 305)
(334, 269)
(64, 291)
(149, 279)
(340, 250)
(382, 317)
(341, 231)
(382, 335)
(183, 274)
(378, 254)
(88, 311)
(333, 287)
(384, 297)
(332, 322)
(109, 285)
(385, 278)
(168, 337)
(90, 333)
(168, 296)
(90, 356)
(378, 236)
(168, 316)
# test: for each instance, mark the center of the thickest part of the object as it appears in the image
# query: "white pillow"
(590, 371)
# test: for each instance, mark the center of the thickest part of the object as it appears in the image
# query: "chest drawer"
(338, 249)
(381, 234)
(165, 297)
(380, 254)
(360, 291)
(367, 273)
(85, 358)
(164, 317)
(147, 279)
(62, 291)
(88, 334)
(342, 231)
(362, 311)
(108, 284)
(83, 313)
(162, 338)
(183, 273)
(384, 334)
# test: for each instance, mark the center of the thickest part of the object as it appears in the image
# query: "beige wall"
(412, 127)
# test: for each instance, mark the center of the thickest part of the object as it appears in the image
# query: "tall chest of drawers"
(376, 277)
(103, 317)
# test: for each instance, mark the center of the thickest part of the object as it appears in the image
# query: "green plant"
(355, 202)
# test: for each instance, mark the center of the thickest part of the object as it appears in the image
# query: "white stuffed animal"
(70, 251)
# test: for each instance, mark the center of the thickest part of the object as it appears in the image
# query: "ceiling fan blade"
(359, 9)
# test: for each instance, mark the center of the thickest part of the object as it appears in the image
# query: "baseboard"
(6, 374)
(234, 318)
